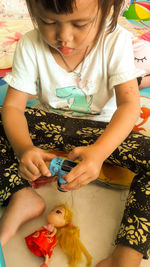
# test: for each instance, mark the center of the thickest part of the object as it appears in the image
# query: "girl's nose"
(64, 33)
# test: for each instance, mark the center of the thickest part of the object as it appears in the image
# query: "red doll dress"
(40, 243)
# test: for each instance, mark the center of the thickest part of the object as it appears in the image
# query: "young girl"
(77, 54)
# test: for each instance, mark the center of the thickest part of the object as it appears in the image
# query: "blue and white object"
(61, 166)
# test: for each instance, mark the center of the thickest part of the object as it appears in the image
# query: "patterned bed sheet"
(11, 31)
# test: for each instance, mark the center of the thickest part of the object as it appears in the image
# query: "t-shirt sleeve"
(121, 65)
(24, 73)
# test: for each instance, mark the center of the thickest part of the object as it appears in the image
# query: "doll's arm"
(54, 232)
(51, 228)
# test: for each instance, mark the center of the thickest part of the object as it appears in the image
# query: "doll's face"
(57, 217)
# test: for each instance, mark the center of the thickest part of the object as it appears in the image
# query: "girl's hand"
(32, 163)
(87, 170)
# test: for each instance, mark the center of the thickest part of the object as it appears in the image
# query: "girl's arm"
(123, 120)
(121, 124)
(32, 159)
(14, 121)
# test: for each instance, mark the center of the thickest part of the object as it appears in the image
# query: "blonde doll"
(59, 230)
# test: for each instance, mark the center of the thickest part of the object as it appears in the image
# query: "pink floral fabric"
(11, 31)
(13, 8)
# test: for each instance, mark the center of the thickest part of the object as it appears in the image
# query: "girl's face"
(70, 33)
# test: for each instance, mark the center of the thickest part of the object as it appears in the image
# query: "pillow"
(11, 31)
(141, 50)
(14, 22)
(136, 19)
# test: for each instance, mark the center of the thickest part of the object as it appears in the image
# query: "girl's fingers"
(29, 172)
(43, 169)
(26, 174)
(75, 172)
(77, 183)
(26, 177)
(48, 156)
(75, 153)
(34, 170)
(31, 167)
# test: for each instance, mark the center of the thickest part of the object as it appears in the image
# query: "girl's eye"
(80, 26)
(54, 23)
(48, 23)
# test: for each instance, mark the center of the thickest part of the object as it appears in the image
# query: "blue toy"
(2, 262)
(60, 166)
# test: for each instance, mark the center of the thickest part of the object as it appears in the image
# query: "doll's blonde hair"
(69, 240)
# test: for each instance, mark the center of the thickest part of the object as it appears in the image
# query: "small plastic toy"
(60, 166)
(2, 262)
(59, 230)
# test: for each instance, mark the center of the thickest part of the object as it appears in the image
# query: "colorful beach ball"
(138, 12)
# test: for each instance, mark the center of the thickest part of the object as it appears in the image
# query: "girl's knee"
(27, 197)
(36, 201)
(40, 204)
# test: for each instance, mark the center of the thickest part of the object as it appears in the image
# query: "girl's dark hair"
(105, 6)
(66, 6)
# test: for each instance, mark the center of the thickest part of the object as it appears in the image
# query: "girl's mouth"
(65, 50)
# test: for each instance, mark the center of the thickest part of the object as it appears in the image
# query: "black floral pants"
(55, 132)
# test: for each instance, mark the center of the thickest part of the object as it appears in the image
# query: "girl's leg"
(122, 256)
(18, 211)
(134, 233)
(133, 240)
(14, 190)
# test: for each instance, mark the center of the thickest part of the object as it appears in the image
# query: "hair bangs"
(58, 6)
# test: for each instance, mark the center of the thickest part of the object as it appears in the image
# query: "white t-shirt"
(109, 63)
